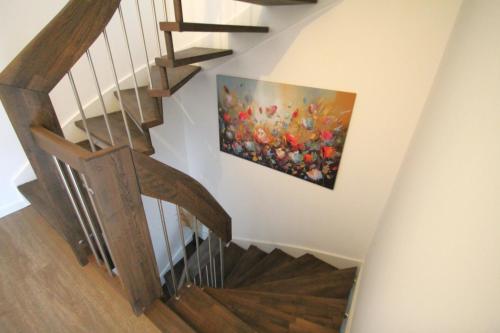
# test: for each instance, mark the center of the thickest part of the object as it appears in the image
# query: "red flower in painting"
(326, 135)
(295, 113)
(327, 152)
(249, 110)
(243, 115)
(292, 140)
(270, 111)
(308, 158)
(227, 117)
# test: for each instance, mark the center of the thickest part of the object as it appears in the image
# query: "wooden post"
(117, 197)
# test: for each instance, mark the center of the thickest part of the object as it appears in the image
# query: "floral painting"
(297, 130)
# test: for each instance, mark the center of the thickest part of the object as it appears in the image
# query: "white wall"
(385, 51)
(434, 263)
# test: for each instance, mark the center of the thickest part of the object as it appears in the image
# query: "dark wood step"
(247, 261)
(151, 108)
(177, 77)
(191, 56)
(208, 27)
(34, 193)
(98, 130)
(274, 259)
(306, 264)
(85, 144)
(305, 326)
(336, 284)
(205, 314)
(263, 318)
(280, 2)
(328, 312)
(232, 255)
(166, 320)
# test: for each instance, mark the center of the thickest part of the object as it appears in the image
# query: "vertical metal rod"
(80, 108)
(125, 120)
(184, 251)
(141, 26)
(83, 204)
(206, 274)
(98, 217)
(215, 273)
(131, 62)
(153, 6)
(197, 246)
(167, 243)
(75, 207)
(221, 255)
(210, 257)
(101, 99)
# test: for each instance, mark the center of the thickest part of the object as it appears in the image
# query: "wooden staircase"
(262, 293)
(92, 197)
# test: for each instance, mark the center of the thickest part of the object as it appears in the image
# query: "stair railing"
(96, 195)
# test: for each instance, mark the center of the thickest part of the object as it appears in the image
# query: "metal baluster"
(144, 41)
(181, 232)
(86, 212)
(131, 64)
(153, 6)
(206, 274)
(75, 207)
(215, 273)
(210, 258)
(98, 217)
(101, 99)
(197, 246)
(80, 108)
(167, 243)
(125, 120)
(221, 255)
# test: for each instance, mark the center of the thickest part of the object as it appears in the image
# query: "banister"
(47, 58)
(163, 182)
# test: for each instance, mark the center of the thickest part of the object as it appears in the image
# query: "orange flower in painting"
(327, 152)
(308, 158)
(249, 110)
(292, 140)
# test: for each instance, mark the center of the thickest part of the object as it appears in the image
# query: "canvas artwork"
(297, 130)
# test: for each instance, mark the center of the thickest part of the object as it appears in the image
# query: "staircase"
(262, 292)
(90, 191)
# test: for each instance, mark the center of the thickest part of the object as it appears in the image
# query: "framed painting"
(297, 130)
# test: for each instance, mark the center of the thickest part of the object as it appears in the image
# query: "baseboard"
(296, 251)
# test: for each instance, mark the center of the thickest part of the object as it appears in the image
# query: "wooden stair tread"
(263, 318)
(85, 144)
(208, 27)
(34, 193)
(166, 320)
(328, 312)
(177, 77)
(306, 263)
(280, 2)
(232, 255)
(205, 314)
(335, 284)
(247, 261)
(98, 130)
(305, 326)
(192, 55)
(274, 259)
(150, 107)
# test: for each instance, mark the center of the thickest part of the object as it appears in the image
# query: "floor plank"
(43, 289)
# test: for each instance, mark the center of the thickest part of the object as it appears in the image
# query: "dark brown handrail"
(52, 53)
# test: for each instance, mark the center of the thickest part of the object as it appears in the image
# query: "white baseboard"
(334, 259)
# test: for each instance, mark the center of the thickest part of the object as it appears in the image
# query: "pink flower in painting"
(326, 135)
(313, 108)
(314, 174)
(270, 111)
(243, 116)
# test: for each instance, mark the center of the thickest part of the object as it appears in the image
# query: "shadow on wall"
(285, 24)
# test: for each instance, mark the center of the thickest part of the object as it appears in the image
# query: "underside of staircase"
(263, 292)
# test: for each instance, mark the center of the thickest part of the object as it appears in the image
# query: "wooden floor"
(43, 289)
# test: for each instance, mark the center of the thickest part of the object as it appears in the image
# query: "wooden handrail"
(49, 56)
(163, 182)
